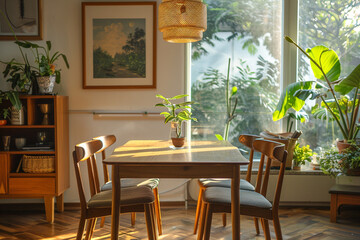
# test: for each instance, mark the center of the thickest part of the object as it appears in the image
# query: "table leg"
(235, 203)
(115, 214)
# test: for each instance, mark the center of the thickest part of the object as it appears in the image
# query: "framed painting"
(119, 45)
(22, 18)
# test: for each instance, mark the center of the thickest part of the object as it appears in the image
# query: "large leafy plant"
(44, 59)
(335, 104)
(177, 112)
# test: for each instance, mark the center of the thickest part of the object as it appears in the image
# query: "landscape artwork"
(119, 49)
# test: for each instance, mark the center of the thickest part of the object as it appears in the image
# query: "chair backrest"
(247, 140)
(271, 151)
(107, 141)
(85, 152)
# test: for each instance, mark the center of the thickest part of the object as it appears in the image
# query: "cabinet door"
(3, 172)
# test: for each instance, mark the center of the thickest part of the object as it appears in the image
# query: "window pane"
(248, 32)
(336, 25)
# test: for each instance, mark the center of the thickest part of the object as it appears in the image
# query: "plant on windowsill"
(335, 104)
(346, 163)
(301, 156)
(176, 114)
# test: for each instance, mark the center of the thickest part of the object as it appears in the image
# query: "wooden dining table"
(157, 159)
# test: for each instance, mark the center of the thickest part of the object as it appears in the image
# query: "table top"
(160, 152)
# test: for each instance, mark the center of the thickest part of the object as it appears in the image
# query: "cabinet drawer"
(34, 186)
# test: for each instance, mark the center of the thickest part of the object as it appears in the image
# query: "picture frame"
(24, 17)
(119, 45)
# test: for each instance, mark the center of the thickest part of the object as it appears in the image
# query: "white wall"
(62, 25)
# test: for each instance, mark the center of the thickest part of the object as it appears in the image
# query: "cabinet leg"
(49, 208)
(60, 203)
(333, 208)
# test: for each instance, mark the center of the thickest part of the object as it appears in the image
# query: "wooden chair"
(252, 203)
(133, 199)
(151, 183)
(247, 140)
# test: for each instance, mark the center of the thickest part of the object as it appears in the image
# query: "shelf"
(28, 126)
(49, 152)
(16, 175)
(37, 96)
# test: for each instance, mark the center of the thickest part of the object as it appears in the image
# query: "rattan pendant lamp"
(182, 21)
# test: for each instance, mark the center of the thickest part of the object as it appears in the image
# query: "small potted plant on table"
(177, 113)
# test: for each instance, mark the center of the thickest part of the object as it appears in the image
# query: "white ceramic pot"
(46, 84)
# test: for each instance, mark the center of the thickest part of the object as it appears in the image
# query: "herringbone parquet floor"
(297, 223)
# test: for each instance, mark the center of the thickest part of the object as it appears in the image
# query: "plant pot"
(341, 145)
(17, 116)
(178, 142)
(3, 122)
(46, 84)
(297, 168)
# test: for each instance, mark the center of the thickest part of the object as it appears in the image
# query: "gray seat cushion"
(129, 196)
(213, 182)
(221, 195)
(133, 182)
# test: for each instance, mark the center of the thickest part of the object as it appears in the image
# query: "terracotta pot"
(3, 122)
(178, 142)
(353, 172)
(296, 167)
(341, 145)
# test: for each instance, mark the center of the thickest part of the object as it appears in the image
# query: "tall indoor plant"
(176, 114)
(329, 88)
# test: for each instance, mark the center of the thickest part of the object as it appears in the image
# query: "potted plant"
(347, 162)
(328, 88)
(176, 114)
(16, 105)
(301, 156)
(48, 74)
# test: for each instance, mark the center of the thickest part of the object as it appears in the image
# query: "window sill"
(304, 171)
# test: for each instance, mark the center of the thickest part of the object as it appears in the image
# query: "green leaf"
(160, 105)
(351, 81)
(48, 44)
(303, 94)
(328, 60)
(65, 60)
(288, 100)
(178, 96)
(168, 118)
(219, 137)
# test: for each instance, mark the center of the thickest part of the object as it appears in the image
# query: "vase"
(177, 134)
(46, 84)
(17, 116)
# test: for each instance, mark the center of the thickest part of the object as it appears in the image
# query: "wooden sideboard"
(14, 182)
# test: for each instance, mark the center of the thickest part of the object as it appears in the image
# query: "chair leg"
(81, 228)
(90, 228)
(154, 221)
(198, 209)
(256, 222)
(266, 229)
(208, 220)
(157, 209)
(224, 219)
(202, 220)
(102, 223)
(277, 228)
(133, 218)
(149, 222)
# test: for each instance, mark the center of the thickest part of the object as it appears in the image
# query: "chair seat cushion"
(221, 195)
(133, 182)
(129, 196)
(214, 182)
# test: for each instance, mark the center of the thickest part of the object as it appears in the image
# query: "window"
(334, 24)
(250, 33)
